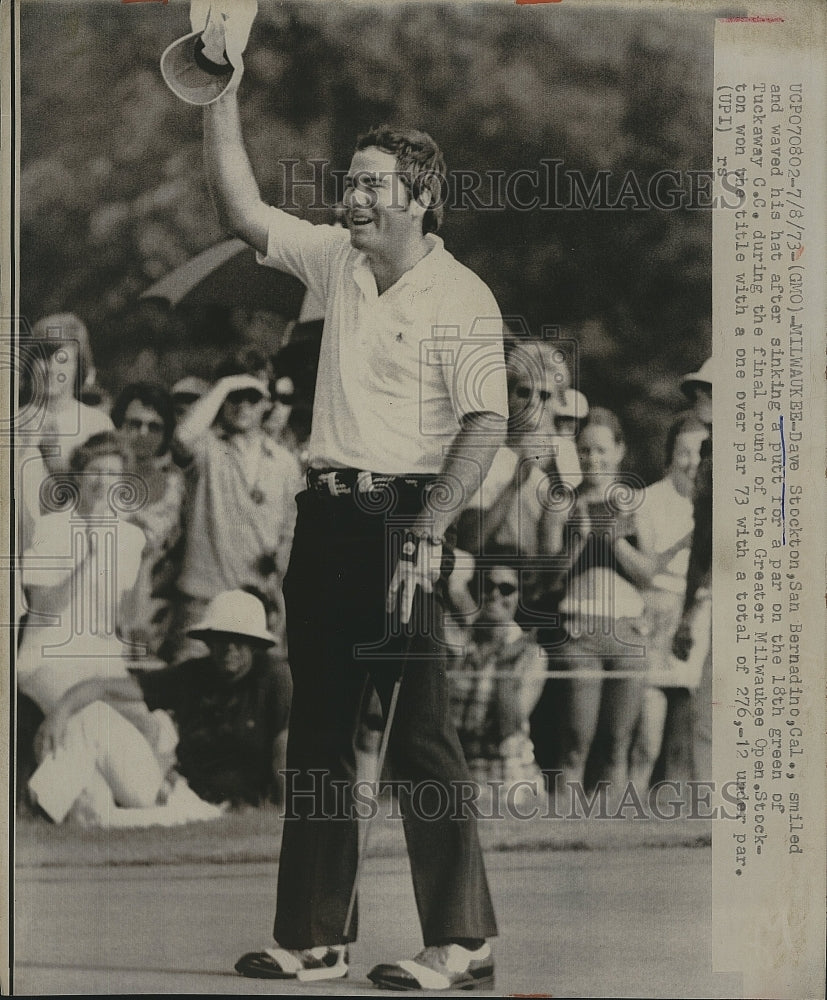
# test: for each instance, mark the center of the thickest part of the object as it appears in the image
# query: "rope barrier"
(662, 678)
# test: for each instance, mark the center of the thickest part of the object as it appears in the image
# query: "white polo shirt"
(397, 371)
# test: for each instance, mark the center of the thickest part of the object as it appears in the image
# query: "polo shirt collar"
(423, 273)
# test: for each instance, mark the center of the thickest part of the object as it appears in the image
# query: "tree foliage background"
(113, 195)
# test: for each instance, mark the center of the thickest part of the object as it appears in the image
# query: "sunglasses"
(526, 392)
(240, 396)
(288, 398)
(153, 426)
(504, 588)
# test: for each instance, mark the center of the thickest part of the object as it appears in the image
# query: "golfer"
(410, 408)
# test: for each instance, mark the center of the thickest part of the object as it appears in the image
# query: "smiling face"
(685, 459)
(382, 218)
(500, 596)
(600, 455)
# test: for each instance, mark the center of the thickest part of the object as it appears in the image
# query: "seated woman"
(144, 414)
(496, 684)
(602, 610)
(79, 570)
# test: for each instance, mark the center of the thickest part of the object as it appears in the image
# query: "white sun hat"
(235, 612)
(203, 65)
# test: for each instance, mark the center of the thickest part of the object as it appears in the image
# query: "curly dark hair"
(153, 396)
(420, 163)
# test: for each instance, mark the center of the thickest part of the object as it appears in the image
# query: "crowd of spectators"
(155, 529)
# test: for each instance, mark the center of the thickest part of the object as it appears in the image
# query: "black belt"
(345, 482)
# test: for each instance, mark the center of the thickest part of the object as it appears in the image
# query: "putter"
(380, 763)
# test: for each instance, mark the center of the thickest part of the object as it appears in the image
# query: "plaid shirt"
(486, 705)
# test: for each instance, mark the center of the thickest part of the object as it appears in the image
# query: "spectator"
(512, 512)
(695, 617)
(229, 709)
(602, 609)
(570, 413)
(76, 555)
(240, 505)
(58, 366)
(277, 420)
(540, 399)
(297, 362)
(185, 392)
(697, 387)
(144, 413)
(509, 512)
(246, 360)
(496, 685)
(664, 532)
(97, 396)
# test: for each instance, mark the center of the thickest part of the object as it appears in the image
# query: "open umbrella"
(228, 275)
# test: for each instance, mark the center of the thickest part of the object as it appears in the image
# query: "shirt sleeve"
(473, 363)
(302, 248)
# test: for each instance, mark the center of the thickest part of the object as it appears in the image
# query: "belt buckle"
(335, 486)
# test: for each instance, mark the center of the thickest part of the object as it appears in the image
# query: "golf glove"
(418, 566)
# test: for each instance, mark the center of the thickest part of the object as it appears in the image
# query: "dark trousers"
(338, 635)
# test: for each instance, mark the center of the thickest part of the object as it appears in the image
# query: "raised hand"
(225, 26)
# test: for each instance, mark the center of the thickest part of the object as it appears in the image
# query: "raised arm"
(232, 183)
(203, 411)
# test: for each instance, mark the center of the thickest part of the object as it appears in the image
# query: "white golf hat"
(703, 376)
(192, 77)
(189, 73)
(238, 613)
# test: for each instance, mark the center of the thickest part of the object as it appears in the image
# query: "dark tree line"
(113, 194)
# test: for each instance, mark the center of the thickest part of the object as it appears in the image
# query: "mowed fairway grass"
(254, 836)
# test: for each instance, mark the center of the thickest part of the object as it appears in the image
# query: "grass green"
(254, 835)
